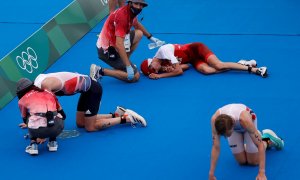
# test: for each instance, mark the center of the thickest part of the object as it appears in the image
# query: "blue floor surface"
(177, 142)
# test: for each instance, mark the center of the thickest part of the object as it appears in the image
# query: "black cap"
(23, 84)
(139, 1)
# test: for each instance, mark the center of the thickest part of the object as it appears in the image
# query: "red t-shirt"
(118, 24)
(37, 102)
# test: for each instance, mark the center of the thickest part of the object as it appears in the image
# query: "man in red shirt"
(117, 42)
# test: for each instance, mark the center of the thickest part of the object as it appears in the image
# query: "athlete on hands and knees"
(67, 83)
(41, 113)
(238, 124)
(117, 42)
(172, 59)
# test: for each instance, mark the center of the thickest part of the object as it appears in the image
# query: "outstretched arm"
(215, 151)
(121, 50)
(24, 115)
(247, 123)
(143, 29)
(123, 55)
(147, 34)
(184, 67)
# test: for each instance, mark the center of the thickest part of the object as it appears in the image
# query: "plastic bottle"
(156, 44)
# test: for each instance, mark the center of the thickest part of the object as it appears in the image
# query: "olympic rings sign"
(104, 2)
(28, 60)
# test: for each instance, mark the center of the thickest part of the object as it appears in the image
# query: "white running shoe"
(119, 111)
(52, 145)
(251, 63)
(135, 118)
(32, 149)
(262, 71)
(277, 142)
(95, 72)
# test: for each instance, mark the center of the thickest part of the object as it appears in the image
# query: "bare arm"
(24, 116)
(215, 151)
(175, 72)
(184, 67)
(121, 50)
(247, 123)
(143, 29)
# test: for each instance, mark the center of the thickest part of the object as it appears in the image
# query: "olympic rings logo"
(104, 2)
(28, 60)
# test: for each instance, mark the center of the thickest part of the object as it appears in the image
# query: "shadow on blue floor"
(177, 142)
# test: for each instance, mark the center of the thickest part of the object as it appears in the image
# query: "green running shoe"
(277, 142)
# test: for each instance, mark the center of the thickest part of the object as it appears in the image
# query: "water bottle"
(127, 43)
(156, 44)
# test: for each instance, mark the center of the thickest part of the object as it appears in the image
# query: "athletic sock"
(113, 115)
(123, 119)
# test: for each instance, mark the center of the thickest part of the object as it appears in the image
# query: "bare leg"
(206, 69)
(220, 66)
(252, 158)
(80, 120)
(241, 158)
(101, 116)
(137, 38)
(98, 122)
(120, 75)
